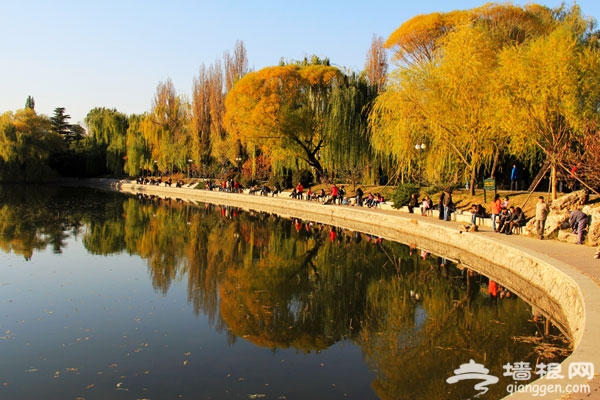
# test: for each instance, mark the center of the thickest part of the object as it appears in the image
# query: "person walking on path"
(541, 213)
(578, 221)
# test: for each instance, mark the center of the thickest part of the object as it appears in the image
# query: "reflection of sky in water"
(420, 317)
(78, 325)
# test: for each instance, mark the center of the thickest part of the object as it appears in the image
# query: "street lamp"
(239, 163)
(420, 147)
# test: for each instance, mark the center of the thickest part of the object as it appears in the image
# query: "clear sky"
(81, 54)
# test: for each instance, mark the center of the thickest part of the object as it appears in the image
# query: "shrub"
(305, 177)
(401, 195)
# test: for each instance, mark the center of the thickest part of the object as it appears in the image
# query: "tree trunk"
(472, 183)
(495, 163)
(553, 183)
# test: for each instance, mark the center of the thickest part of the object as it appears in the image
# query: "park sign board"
(488, 184)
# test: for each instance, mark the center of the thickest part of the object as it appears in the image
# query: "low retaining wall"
(571, 298)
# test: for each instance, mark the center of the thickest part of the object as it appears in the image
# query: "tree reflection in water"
(296, 284)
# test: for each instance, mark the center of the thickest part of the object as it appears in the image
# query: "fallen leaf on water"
(257, 396)
(90, 386)
(71, 369)
(187, 354)
(185, 362)
(32, 370)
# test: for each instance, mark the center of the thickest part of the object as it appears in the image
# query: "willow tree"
(283, 108)
(445, 91)
(107, 129)
(414, 43)
(397, 120)
(545, 98)
(446, 105)
(167, 135)
(139, 152)
(348, 150)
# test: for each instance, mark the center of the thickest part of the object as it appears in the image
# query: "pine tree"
(30, 103)
(60, 125)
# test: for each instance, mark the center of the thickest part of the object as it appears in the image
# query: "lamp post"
(190, 167)
(420, 147)
(239, 163)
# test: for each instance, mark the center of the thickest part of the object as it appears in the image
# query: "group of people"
(507, 219)
(337, 195)
(151, 181)
(445, 205)
(426, 205)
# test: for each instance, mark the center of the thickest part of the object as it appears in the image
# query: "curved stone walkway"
(576, 263)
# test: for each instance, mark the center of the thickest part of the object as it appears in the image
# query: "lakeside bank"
(557, 277)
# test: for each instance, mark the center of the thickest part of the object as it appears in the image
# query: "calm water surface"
(104, 296)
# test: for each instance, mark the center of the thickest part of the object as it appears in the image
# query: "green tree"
(138, 155)
(167, 133)
(108, 131)
(26, 145)
(30, 103)
(60, 124)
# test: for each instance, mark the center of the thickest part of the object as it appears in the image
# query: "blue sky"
(83, 54)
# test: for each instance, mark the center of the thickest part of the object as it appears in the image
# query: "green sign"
(489, 184)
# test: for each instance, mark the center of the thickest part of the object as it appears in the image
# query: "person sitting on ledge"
(412, 203)
(506, 215)
(518, 221)
(477, 211)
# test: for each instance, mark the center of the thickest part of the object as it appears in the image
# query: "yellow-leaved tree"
(281, 111)
(446, 92)
(546, 102)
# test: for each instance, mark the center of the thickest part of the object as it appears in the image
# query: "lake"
(107, 296)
